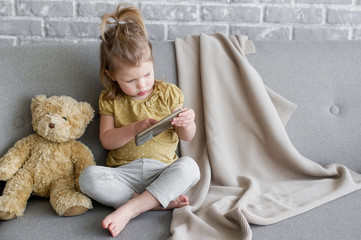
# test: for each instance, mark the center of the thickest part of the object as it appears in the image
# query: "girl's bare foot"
(180, 201)
(116, 221)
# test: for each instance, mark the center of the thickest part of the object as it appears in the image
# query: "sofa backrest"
(63, 69)
(322, 78)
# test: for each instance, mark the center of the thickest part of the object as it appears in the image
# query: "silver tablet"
(155, 129)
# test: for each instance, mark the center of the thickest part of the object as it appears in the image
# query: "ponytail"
(124, 40)
(126, 21)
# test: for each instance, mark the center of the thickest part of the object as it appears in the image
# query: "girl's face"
(136, 81)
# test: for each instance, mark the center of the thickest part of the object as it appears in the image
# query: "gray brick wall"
(77, 21)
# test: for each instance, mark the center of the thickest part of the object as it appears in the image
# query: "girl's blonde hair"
(124, 40)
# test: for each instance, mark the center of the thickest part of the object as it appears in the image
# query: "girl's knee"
(88, 178)
(189, 167)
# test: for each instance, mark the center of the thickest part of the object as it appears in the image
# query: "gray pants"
(116, 186)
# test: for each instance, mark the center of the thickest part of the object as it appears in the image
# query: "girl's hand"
(184, 119)
(144, 124)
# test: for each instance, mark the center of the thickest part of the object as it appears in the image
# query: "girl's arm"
(113, 138)
(184, 124)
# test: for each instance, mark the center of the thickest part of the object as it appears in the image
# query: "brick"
(262, 33)
(325, 1)
(276, 1)
(5, 8)
(169, 12)
(21, 27)
(231, 13)
(320, 34)
(185, 1)
(343, 16)
(7, 41)
(73, 29)
(38, 40)
(293, 15)
(89, 9)
(180, 31)
(357, 34)
(156, 32)
(243, 1)
(45, 8)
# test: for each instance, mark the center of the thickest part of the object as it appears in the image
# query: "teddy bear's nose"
(51, 125)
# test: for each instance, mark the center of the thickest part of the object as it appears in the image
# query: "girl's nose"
(141, 83)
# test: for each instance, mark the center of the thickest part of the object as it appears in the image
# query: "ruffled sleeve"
(174, 97)
(106, 107)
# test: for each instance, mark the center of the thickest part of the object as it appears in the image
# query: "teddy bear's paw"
(11, 207)
(70, 204)
(6, 173)
(7, 215)
(73, 211)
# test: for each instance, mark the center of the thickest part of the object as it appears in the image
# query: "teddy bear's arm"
(15, 157)
(82, 157)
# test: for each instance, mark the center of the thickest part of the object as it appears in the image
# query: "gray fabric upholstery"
(322, 78)
(317, 76)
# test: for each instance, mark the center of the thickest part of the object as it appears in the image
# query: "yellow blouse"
(164, 99)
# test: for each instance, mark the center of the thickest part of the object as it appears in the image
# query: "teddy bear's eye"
(65, 118)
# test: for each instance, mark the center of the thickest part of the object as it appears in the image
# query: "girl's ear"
(109, 75)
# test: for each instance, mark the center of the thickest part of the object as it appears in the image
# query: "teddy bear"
(48, 162)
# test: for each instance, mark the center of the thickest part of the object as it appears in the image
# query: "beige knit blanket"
(251, 172)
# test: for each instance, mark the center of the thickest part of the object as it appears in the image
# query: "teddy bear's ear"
(38, 99)
(87, 109)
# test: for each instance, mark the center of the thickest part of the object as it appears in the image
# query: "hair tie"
(122, 22)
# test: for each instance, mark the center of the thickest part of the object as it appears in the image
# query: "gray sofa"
(322, 78)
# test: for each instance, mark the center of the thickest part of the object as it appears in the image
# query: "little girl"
(150, 176)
